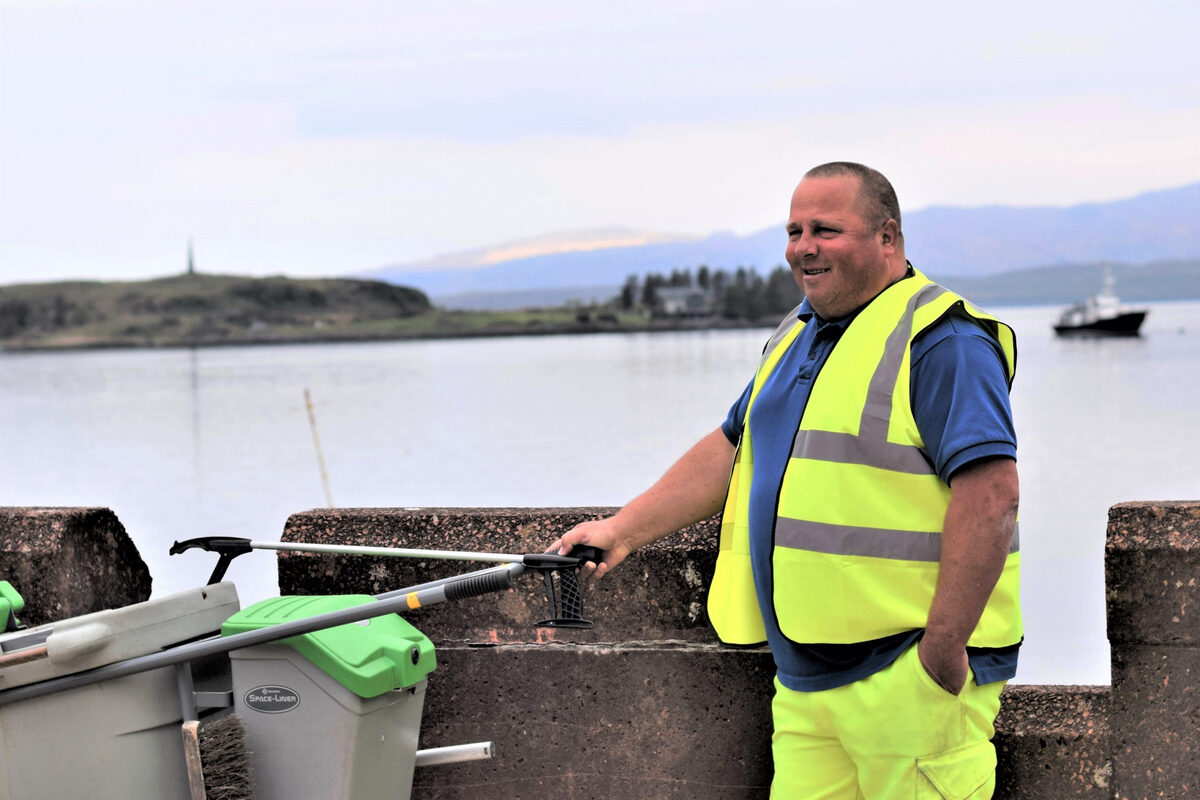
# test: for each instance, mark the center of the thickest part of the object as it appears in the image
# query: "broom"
(226, 759)
(215, 753)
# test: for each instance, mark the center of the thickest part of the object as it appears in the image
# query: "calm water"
(191, 443)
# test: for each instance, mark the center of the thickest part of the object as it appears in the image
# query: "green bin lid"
(368, 657)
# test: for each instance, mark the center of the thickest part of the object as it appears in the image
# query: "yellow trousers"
(894, 734)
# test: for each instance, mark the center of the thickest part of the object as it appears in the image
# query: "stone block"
(1053, 742)
(579, 722)
(1152, 560)
(657, 594)
(69, 561)
(1156, 720)
(1152, 573)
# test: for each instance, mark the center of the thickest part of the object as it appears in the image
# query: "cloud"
(320, 138)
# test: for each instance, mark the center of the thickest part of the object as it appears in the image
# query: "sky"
(326, 138)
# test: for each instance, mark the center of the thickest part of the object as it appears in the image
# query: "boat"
(1101, 315)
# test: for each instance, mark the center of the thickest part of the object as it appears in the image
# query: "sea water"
(185, 443)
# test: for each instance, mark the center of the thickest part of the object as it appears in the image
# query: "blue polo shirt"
(959, 394)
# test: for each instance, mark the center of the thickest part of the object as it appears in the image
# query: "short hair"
(877, 201)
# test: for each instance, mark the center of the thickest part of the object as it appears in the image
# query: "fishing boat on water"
(1101, 315)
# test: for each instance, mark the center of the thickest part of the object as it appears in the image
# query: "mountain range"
(987, 247)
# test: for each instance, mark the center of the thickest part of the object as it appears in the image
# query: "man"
(869, 486)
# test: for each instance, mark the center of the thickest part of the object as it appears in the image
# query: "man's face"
(840, 260)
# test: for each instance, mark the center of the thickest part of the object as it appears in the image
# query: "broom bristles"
(227, 773)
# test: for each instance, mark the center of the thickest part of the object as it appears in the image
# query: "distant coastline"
(200, 310)
(549, 329)
(194, 310)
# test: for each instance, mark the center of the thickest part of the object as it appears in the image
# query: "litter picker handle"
(584, 553)
(228, 547)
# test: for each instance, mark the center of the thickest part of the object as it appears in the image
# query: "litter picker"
(565, 600)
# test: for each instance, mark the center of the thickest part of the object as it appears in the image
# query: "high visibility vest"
(857, 539)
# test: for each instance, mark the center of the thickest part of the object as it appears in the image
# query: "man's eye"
(824, 233)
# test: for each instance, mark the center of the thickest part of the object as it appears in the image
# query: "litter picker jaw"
(566, 598)
(563, 596)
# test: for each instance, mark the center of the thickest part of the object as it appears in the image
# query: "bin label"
(272, 699)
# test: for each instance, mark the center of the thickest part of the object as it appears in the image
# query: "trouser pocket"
(964, 773)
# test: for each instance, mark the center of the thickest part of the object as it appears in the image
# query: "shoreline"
(584, 328)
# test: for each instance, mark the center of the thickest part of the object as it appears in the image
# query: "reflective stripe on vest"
(857, 538)
(854, 541)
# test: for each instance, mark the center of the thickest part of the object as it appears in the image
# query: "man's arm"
(975, 541)
(691, 490)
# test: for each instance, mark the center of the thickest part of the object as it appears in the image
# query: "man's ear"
(889, 235)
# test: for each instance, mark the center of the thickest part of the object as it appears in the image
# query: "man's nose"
(801, 246)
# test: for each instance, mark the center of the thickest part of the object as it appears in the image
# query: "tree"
(629, 293)
(14, 317)
(718, 281)
(743, 294)
(756, 296)
(782, 292)
(650, 290)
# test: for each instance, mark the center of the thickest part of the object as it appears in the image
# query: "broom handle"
(190, 731)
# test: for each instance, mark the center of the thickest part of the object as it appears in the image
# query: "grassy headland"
(209, 310)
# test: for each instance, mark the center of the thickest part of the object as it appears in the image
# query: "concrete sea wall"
(647, 704)
(69, 561)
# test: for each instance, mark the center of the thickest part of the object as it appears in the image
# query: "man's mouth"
(816, 271)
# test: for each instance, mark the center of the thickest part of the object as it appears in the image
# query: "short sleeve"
(959, 390)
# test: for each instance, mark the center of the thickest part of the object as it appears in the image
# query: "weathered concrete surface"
(1151, 573)
(661, 712)
(664, 712)
(691, 721)
(69, 561)
(621, 721)
(657, 594)
(1152, 566)
(1053, 742)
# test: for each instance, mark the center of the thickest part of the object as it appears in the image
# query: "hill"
(943, 241)
(1069, 283)
(212, 310)
(973, 242)
(200, 310)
